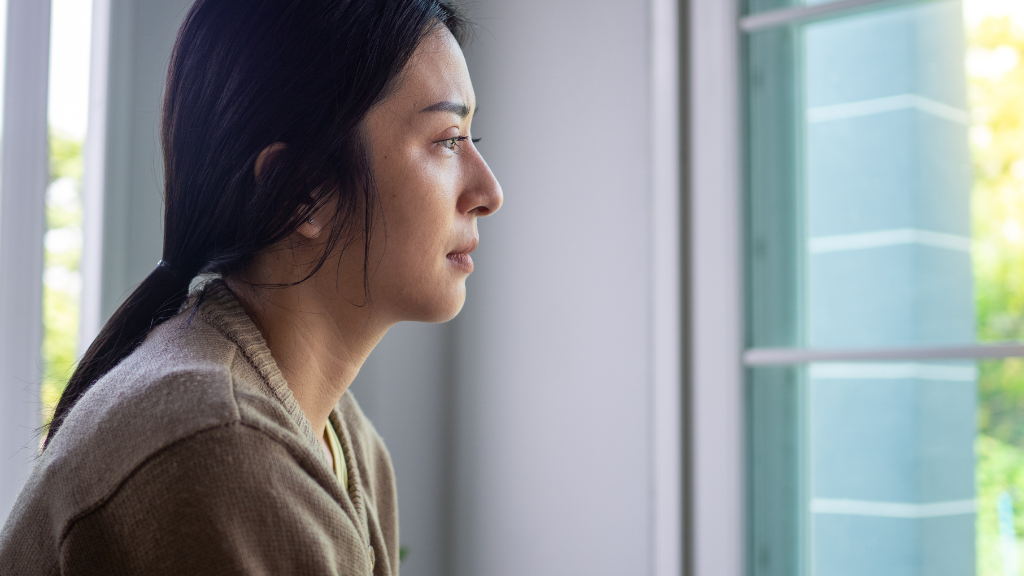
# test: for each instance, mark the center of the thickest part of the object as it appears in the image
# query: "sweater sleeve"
(226, 501)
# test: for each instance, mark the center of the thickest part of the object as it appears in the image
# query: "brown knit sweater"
(192, 456)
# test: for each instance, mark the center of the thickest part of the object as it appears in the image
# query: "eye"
(453, 142)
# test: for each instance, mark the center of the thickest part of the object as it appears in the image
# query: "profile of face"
(433, 186)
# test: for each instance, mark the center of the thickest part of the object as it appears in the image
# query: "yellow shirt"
(340, 469)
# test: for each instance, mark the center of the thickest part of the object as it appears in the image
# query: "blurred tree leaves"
(61, 277)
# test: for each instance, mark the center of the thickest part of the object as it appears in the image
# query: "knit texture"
(192, 456)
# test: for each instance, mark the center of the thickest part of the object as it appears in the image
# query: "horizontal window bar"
(892, 371)
(783, 356)
(886, 238)
(892, 509)
(804, 14)
(899, 102)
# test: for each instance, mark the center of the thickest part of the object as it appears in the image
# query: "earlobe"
(311, 228)
(267, 154)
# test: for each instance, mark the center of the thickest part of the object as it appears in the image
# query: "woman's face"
(433, 186)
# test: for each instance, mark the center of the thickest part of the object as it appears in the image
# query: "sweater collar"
(221, 308)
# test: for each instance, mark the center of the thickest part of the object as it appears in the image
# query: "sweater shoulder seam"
(106, 498)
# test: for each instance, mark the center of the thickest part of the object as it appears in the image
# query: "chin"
(452, 308)
(442, 307)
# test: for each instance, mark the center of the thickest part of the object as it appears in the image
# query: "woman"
(320, 173)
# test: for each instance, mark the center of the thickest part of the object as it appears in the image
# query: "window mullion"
(23, 179)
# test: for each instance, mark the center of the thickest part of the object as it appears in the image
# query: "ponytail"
(153, 301)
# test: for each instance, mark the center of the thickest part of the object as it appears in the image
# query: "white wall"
(555, 442)
(124, 170)
(406, 390)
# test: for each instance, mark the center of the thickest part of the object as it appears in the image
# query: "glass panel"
(885, 208)
(70, 33)
(887, 173)
(774, 221)
(887, 468)
(870, 468)
(885, 164)
(776, 427)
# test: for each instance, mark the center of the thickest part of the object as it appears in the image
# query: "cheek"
(418, 220)
(416, 281)
(414, 278)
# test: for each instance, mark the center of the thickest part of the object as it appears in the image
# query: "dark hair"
(245, 75)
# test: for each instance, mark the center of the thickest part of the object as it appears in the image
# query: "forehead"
(436, 72)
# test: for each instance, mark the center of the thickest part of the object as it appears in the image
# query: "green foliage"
(997, 135)
(60, 318)
(65, 157)
(61, 282)
(999, 469)
(997, 138)
(1001, 400)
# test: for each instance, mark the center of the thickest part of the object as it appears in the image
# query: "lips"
(460, 257)
(463, 261)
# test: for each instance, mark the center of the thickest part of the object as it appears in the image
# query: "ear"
(321, 221)
(267, 154)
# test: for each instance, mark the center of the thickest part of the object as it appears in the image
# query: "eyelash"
(453, 143)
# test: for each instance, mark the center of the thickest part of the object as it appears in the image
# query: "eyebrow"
(461, 110)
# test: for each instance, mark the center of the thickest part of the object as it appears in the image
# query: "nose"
(481, 193)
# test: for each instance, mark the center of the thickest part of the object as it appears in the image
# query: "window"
(43, 129)
(884, 218)
(70, 34)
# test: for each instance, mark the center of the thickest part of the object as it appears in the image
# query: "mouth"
(460, 257)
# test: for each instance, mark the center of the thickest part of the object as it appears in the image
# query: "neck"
(319, 341)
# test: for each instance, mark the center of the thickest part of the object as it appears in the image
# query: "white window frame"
(23, 178)
(666, 407)
(716, 483)
(715, 503)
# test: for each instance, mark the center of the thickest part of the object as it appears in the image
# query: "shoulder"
(225, 500)
(177, 382)
(214, 469)
(182, 383)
